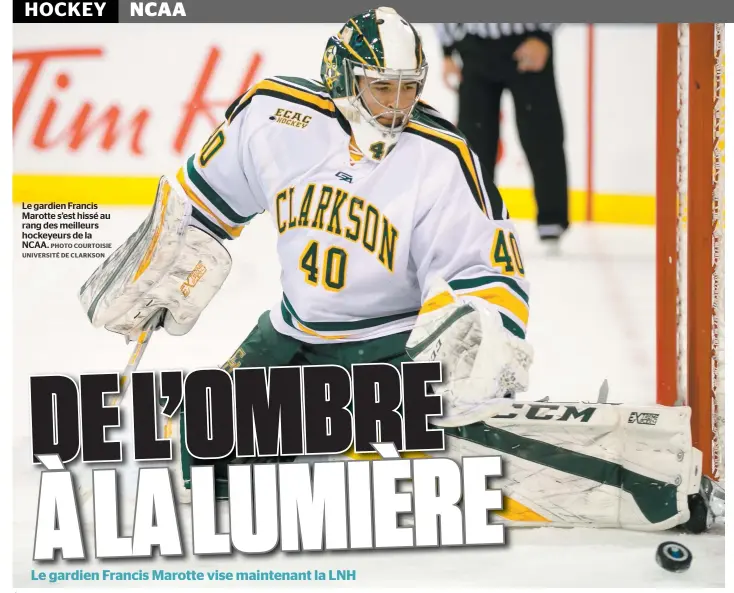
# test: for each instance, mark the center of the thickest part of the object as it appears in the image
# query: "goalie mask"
(375, 71)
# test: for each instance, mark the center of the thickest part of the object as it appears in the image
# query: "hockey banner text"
(246, 417)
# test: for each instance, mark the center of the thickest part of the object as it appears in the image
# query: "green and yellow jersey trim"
(300, 91)
(338, 330)
(503, 292)
(458, 147)
(426, 123)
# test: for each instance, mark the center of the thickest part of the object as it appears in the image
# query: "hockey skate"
(706, 506)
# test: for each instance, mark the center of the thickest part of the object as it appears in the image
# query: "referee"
(517, 57)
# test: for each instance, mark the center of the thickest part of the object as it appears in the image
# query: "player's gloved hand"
(166, 264)
(481, 360)
(168, 322)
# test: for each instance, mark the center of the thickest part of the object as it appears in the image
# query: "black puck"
(673, 556)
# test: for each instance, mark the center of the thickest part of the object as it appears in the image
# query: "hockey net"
(689, 227)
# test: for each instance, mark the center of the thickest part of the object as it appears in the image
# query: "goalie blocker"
(166, 264)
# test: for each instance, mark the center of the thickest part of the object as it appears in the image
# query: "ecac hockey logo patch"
(291, 118)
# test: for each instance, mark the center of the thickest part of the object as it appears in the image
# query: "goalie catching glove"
(166, 264)
(481, 360)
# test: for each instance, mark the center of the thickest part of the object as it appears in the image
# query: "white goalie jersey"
(360, 242)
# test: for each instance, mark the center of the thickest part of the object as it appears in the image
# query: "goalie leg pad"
(588, 465)
(165, 264)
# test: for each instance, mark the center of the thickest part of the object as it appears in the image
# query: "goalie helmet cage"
(689, 230)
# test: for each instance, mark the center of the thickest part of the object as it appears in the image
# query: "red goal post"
(689, 230)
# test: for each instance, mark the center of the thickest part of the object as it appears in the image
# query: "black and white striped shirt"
(451, 33)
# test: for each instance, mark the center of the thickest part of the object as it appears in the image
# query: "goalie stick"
(137, 354)
(86, 490)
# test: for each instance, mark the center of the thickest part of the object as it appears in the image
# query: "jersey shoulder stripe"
(300, 91)
(433, 116)
(420, 127)
(430, 124)
(305, 83)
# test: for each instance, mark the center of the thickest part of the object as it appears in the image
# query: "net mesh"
(717, 229)
(682, 218)
(717, 292)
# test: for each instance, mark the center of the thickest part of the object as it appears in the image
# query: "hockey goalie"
(393, 247)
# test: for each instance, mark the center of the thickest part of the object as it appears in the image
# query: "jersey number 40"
(505, 254)
(330, 270)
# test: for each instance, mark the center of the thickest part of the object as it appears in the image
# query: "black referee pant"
(489, 69)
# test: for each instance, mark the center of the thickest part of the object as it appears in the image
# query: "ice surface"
(592, 318)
